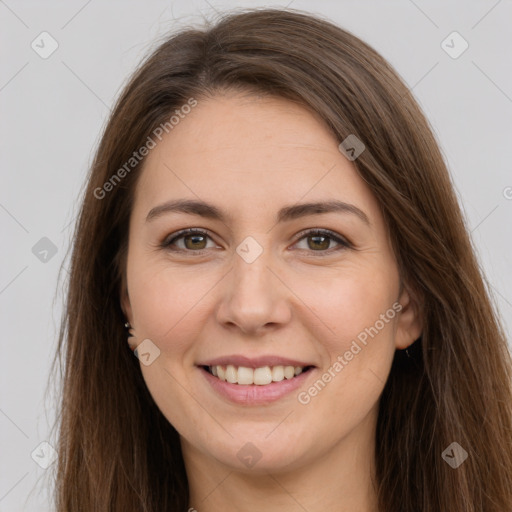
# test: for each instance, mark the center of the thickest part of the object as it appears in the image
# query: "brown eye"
(320, 241)
(194, 240)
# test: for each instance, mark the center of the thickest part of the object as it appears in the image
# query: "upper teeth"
(259, 376)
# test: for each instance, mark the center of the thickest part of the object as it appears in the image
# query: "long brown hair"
(117, 452)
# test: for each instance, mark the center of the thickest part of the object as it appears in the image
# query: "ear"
(410, 320)
(127, 310)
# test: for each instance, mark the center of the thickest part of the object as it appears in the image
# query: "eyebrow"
(287, 213)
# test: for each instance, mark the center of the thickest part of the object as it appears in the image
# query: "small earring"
(130, 334)
(130, 329)
(407, 352)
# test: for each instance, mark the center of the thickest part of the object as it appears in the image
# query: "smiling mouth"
(245, 376)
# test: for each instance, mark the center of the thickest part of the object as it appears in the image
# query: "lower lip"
(253, 394)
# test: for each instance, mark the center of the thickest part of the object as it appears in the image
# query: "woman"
(269, 216)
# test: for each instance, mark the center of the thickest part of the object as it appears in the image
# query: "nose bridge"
(254, 296)
(251, 272)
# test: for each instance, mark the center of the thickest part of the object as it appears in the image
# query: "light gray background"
(52, 112)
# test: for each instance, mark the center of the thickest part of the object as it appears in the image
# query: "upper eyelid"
(186, 232)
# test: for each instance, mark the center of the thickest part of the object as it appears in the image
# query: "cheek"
(169, 310)
(357, 336)
(350, 304)
(169, 303)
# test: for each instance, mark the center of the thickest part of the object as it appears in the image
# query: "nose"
(253, 299)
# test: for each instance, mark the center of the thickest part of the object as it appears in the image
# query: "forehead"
(250, 154)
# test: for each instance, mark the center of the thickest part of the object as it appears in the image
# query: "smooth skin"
(304, 297)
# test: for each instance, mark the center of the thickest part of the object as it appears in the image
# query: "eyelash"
(344, 243)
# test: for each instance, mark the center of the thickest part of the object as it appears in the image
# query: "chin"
(259, 454)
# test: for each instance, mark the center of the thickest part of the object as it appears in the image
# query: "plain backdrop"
(53, 110)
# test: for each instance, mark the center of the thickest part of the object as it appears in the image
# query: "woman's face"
(261, 289)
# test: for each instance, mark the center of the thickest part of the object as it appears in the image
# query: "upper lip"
(254, 362)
